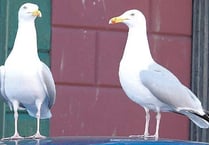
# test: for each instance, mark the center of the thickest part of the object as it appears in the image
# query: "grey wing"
(168, 89)
(2, 77)
(2, 88)
(49, 84)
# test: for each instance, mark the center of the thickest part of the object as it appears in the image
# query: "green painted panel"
(8, 28)
(3, 31)
(44, 56)
(3, 49)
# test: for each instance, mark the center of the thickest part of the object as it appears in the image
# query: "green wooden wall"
(8, 28)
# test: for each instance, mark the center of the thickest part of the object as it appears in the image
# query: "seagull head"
(28, 11)
(132, 18)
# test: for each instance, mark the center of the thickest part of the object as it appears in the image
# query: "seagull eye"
(132, 14)
(24, 7)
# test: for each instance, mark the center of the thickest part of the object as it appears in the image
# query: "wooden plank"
(200, 59)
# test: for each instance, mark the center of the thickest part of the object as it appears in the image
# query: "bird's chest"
(130, 82)
(22, 82)
(129, 73)
(21, 71)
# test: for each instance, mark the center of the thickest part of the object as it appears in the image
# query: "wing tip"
(205, 118)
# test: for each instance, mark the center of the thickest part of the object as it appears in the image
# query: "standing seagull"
(149, 84)
(25, 81)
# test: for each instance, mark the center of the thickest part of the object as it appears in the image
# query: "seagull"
(25, 81)
(149, 84)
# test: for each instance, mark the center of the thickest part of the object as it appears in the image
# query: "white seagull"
(149, 84)
(25, 81)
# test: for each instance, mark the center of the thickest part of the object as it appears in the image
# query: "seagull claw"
(145, 137)
(14, 137)
(36, 136)
(136, 136)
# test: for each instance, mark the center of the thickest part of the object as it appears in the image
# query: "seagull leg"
(37, 135)
(16, 135)
(158, 116)
(156, 135)
(38, 114)
(147, 117)
(146, 130)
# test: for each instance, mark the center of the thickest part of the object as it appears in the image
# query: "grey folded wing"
(49, 84)
(168, 89)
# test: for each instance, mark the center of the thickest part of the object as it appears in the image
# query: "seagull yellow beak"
(116, 20)
(37, 13)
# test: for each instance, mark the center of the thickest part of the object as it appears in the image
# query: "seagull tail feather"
(205, 116)
(200, 120)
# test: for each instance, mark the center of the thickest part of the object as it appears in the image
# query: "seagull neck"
(137, 46)
(26, 39)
